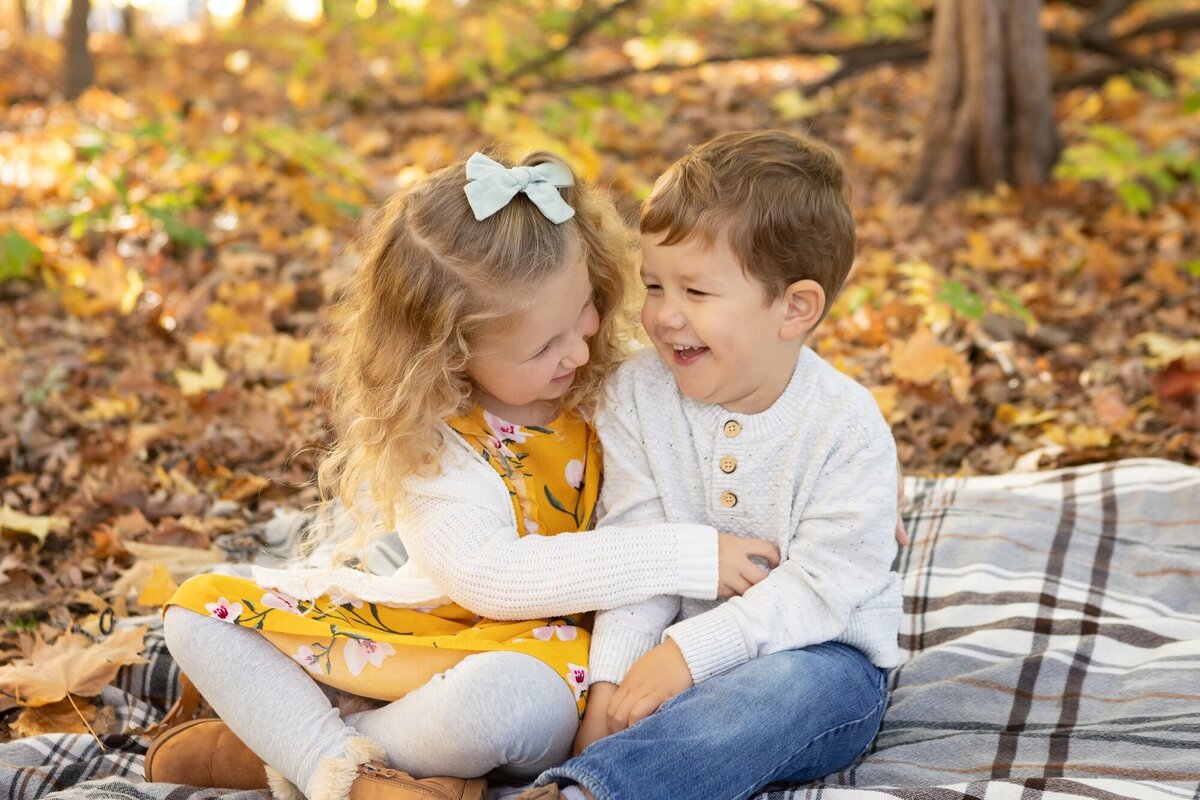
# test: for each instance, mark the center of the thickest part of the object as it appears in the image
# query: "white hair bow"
(491, 186)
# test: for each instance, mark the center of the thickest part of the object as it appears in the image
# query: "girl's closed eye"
(697, 293)
(652, 287)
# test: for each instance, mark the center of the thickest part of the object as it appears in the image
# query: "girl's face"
(522, 371)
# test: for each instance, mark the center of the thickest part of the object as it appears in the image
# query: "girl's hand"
(594, 725)
(653, 680)
(736, 572)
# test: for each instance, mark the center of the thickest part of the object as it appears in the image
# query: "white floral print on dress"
(224, 610)
(574, 473)
(283, 602)
(306, 658)
(360, 652)
(505, 431)
(578, 677)
(565, 633)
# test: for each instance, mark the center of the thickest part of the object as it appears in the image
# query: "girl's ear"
(804, 303)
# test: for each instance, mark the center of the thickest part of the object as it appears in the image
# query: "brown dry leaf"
(181, 563)
(58, 717)
(70, 666)
(922, 360)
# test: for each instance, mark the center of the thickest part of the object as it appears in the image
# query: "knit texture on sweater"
(815, 474)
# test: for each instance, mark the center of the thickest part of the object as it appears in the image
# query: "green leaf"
(178, 230)
(1136, 197)
(1015, 304)
(555, 502)
(1191, 103)
(17, 255)
(1191, 267)
(962, 300)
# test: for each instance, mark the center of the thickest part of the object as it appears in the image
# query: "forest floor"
(160, 359)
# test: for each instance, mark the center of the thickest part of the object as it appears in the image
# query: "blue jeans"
(792, 717)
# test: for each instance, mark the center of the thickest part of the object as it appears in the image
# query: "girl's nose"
(578, 355)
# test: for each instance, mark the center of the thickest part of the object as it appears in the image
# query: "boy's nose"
(667, 316)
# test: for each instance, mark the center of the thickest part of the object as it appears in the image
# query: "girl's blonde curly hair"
(432, 280)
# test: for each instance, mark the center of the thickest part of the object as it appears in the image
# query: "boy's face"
(713, 327)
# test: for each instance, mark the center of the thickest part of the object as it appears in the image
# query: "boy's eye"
(652, 287)
(697, 293)
(542, 352)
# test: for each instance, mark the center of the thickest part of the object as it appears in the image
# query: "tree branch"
(581, 31)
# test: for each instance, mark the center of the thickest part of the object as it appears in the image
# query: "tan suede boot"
(376, 781)
(205, 753)
(547, 792)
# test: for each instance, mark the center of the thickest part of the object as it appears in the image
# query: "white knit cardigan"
(460, 531)
(815, 474)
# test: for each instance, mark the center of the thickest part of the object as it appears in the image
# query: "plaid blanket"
(1052, 651)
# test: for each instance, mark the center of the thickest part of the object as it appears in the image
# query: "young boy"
(731, 421)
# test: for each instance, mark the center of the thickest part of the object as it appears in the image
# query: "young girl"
(468, 350)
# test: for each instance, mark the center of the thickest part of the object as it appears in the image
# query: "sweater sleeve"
(629, 495)
(839, 557)
(459, 528)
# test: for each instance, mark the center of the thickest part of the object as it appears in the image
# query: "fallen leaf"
(210, 378)
(58, 717)
(38, 527)
(71, 665)
(181, 563)
(922, 360)
(158, 587)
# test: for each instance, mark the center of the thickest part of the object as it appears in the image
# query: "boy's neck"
(776, 383)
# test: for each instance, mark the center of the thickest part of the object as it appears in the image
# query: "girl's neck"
(538, 413)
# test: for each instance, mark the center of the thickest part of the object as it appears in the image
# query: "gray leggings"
(492, 710)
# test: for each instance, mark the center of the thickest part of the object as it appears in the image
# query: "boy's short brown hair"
(781, 200)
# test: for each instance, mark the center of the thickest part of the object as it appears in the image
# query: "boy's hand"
(653, 680)
(594, 724)
(736, 572)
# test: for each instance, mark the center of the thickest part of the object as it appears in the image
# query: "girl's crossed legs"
(493, 710)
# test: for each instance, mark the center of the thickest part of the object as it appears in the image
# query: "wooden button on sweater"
(728, 499)
(732, 428)
(728, 464)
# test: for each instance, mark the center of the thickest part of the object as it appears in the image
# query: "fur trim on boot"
(281, 787)
(334, 776)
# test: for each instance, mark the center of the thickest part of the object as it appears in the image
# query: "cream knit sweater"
(815, 474)
(460, 532)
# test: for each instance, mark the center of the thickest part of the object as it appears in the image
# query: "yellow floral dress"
(553, 476)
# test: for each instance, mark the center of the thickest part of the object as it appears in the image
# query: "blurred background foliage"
(173, 229)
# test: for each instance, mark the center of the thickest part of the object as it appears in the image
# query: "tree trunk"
(992, 116)
(23, 16)
(77, 61)
(129, 21)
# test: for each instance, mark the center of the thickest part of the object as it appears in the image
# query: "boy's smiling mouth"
(686, 355)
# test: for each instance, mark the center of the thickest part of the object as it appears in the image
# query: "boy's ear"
(804, 304)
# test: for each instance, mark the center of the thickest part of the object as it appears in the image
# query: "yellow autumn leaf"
(158, 587)
(38, 527)
(922, 360)
(104, 409)
(1023, 417)
(71, 665)
(210, 378)
(885, 397)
